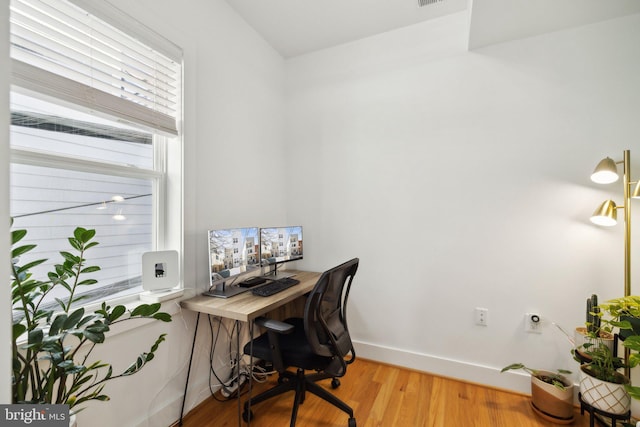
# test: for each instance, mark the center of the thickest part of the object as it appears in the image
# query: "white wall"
(461, 180)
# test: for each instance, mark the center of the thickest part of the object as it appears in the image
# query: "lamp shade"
(636, 192)
(606, 172)
(606, 214)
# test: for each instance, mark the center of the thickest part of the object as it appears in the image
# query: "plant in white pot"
(624, 314)
(52, 345)
(551, 393)
(602, 386)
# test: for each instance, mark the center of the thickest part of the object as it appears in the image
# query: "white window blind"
(65, 52)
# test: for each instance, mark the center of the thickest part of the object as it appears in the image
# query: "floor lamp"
(605, 173)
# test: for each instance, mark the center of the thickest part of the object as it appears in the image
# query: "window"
(94, 114)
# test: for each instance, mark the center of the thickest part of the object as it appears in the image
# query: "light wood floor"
(387, 396)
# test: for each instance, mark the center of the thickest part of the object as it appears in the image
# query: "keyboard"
(275, 287)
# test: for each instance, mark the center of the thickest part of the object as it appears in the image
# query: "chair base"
(300, 383)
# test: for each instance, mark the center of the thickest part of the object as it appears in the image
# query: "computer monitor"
(233, 252)
(279, 245)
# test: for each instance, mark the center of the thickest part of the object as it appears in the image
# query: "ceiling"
(295, 27)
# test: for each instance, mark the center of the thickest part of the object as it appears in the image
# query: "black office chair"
(318, 342)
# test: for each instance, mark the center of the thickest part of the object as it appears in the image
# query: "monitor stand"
(225, 292)
(276, 274)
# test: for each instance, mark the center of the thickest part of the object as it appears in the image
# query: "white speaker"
(160, 270)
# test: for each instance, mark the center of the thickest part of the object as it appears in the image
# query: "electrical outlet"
(482, 316)
(532, 322)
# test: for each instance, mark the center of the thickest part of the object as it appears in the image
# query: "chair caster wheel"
(352, 422)
(335, 383)
(248, 416)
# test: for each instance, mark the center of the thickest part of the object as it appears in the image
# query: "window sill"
(168, 306)
(153, 297)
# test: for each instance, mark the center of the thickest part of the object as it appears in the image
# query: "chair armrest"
(275, 325)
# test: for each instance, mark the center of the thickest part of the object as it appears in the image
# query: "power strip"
(230, 390)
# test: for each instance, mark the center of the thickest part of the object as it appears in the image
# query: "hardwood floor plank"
(386, 396)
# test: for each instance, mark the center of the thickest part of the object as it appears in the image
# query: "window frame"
(167, 173)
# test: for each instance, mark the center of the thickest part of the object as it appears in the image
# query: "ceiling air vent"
(422, 3)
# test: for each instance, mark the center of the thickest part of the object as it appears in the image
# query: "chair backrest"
(325, 316)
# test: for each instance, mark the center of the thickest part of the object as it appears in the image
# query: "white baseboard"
(450, 368)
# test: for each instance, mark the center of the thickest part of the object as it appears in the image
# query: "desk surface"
(246, 306)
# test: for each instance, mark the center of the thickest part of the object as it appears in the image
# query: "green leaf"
(61, 303)
(18, 329)
(165, 317)
(77, 233)
(155, 345)
(117, 312)
(634, 392)
(632, 342)
(140, 310)
(74, 318)
(86, 235)
(513, 366)
(145, 310)
(17, 235)
(90, 245)
(96, 337)
(90, 269)
(634, 360)
(87, 282)
(30, 265)
(70, 257)
(21, 250)
(35, 337)
(75, 244)
(87, 319)
(57, 323)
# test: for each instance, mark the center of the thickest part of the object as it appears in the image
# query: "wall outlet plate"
(482, 316)
(532, 323)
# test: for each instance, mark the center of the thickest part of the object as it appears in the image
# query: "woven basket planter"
(606, 396)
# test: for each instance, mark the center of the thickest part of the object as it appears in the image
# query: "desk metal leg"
(186, 385)
(238, 360)
(248, 410)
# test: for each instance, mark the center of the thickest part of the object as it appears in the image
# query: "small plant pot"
(606, 396)
(581, 337)
(550, 402)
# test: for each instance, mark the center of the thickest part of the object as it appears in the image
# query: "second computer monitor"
(280, 244)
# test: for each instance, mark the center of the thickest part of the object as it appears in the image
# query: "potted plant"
(601, 385)
(592, 332)
(624, 314)
(52, 345)
(551, 393)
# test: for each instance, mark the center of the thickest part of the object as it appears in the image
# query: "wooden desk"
(245, 307)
